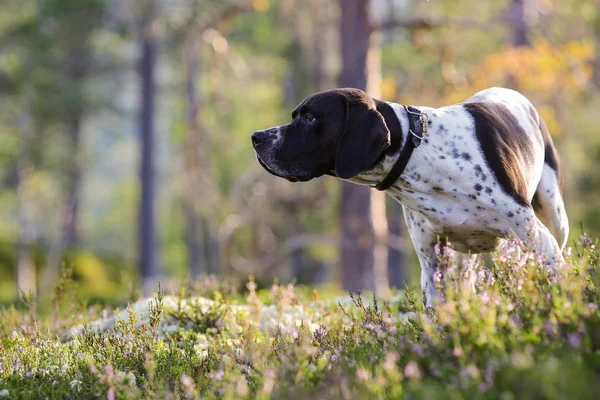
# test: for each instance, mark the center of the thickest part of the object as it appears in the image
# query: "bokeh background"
(125, 129)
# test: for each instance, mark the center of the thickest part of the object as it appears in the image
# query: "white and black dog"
(473, 174)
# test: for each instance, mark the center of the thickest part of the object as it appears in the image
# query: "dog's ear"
(365, 137)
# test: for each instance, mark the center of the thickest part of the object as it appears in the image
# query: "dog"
(474, 174)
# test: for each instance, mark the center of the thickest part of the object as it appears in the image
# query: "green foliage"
(523, 332)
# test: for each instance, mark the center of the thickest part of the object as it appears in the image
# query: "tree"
(148, 263)
(357, 232)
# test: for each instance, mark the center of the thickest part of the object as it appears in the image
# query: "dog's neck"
(397, 122)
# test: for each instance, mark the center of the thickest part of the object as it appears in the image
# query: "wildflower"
(29, 374)
(412, 370)
(457, 352)
(110, 395)
(485, 297)
(4, 393)
(241, 387)
(390, 361)
(574, 340)
(472, 371)
(75, 384)
(186, 381)
(418, 350)
(362, 374)
(54, 383)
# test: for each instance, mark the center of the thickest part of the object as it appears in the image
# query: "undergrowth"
(510, 331)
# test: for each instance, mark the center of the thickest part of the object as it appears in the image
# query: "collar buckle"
(417, 131)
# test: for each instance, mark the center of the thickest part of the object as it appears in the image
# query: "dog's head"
(334, 132)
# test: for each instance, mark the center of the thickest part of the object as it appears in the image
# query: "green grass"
(521, 334)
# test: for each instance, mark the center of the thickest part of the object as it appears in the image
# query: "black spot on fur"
(510, 214)
(466, 156)
(478, 187)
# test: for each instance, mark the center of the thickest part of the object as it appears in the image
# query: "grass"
(521, 334)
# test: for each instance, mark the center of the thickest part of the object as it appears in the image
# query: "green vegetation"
(523, 333)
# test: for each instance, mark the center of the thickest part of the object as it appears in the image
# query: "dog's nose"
(258, 137)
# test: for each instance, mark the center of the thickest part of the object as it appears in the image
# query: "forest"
(125, 150)
(127, 173)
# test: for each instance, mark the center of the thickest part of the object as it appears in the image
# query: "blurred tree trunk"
(357, 232)
(192, 162)
(519, 22)
(25, 267)
(596, 61)
(378, 204)
(397, 268)
(148, 263)
(76, 67)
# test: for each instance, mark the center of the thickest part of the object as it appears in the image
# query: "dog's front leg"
(424, 241)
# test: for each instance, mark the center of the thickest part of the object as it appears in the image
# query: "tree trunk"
(357, 232)
(76, 67)
(148, 265)
(192, 154)
(397, 268)
(71, 216)
(378, 213)
(25, 267)
(519, 23)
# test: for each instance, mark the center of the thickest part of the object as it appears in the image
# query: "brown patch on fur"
(505, 145)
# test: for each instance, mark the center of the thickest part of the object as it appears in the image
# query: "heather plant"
(511, 329)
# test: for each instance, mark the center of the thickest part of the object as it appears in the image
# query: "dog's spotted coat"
(486, 170)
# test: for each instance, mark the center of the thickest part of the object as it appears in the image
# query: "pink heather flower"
(110, 395)
(593, 306)
(418, 350)
(568, 251)
(457, 352)
(437, 249)
(362, 374)
(412, 370)
(390, 361)
(485, 297)
(29, 374)
(219, 374)
(574, 340)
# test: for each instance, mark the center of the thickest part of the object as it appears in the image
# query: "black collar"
(417, 122)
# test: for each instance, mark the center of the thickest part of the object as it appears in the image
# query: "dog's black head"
(337, 131)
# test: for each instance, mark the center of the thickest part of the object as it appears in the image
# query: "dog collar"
(417, 127)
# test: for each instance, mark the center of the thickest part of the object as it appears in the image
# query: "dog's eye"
(309, 118)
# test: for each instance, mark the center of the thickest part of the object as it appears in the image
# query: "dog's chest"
(449, 185)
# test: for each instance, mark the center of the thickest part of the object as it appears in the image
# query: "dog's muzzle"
(261, 138)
